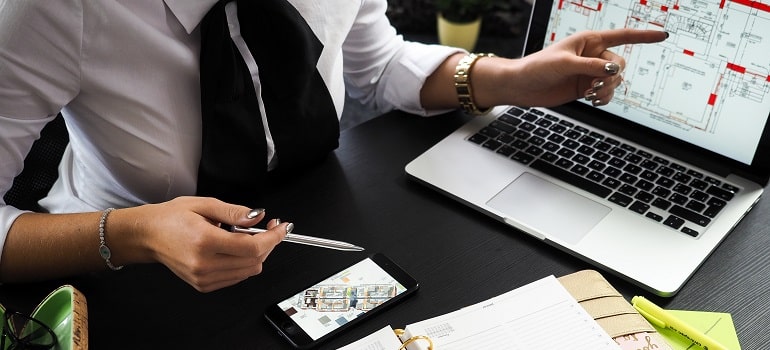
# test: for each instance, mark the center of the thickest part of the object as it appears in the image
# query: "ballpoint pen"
(663, 319)
(307, 240)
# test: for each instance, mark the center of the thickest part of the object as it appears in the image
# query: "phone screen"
(339, 300)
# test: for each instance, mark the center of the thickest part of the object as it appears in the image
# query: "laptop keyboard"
(651, 185)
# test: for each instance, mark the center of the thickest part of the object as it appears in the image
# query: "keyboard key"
(620, 199)
(579, 169)
(633, 169)
(489, 132)
(699, 184)
(665, 171)
(549, 157)
(627, 190)
(595, 176)
(601, 156)
(678, 199)
(699, 196)
(566, 153)
(522, 157)
(690, 215)
(571, 178)
(477, 138)
(674, 222)
(648, 175)
(556, 138)
(603, 146)
(712, 211)
(645, 185)
(654, 216)
(509, 119)
(665, 182)
(661, 203)
(720, 193)
(579, 158)
(639, 207)
(515, 111)
(661, 192)
(506, 150)
(628, 178)
(571, 144)
(611, 183)
(695, 174)
(690, 231)
(492, 144)
(612, 171)
(682, 189)
(633, 158)
(695, 206)
(503, 127)
(628, 148)
(644, 196)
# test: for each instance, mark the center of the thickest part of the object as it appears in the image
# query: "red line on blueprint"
(712, 99)
(599, 8)
(561, 4)
(689, 52)
(768, 78)
(750, 3)
(735, 67)
(721, 4)
(643, 2)
(664, 8)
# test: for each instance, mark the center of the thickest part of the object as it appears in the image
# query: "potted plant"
(459, 21)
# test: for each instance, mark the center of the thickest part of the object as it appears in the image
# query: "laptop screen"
(708, 84)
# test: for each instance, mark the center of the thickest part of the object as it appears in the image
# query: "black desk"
(362, 195)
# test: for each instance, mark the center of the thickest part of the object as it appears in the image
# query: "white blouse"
(125, 77)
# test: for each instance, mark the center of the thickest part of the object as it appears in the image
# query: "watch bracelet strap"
(463, 85)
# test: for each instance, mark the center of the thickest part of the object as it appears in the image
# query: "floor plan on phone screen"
(341, 298)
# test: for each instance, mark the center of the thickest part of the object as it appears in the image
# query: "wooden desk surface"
(362, 195)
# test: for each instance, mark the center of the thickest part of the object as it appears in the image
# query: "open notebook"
(649, 185)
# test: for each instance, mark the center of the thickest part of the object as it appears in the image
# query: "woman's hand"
(185, 235)
(579, 66)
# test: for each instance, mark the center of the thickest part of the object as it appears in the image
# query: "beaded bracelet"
(104, 250)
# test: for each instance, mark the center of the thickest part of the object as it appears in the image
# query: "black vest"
(299, 109)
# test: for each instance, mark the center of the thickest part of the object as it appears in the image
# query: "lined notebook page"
(539, 315)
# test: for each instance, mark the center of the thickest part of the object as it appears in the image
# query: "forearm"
(487, 81)
(45, 246)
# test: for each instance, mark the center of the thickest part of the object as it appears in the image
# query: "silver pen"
(307, 240)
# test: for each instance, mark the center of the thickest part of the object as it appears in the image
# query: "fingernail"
(290, 227)
(254, 213)
(596, 102)
(611, 68)
(598, 85)
(277, 221)
(590, 96)
(667, 34)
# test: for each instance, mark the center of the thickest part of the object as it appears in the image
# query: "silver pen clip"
(306, 240)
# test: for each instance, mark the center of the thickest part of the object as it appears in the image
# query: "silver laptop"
(649, 185)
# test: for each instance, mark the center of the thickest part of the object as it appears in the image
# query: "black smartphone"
(325, 308)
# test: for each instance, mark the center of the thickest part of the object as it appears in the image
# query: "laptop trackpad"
(549, 208)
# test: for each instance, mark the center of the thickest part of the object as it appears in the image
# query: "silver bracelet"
(104, 250)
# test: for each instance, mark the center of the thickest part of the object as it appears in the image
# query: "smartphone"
(323, 309)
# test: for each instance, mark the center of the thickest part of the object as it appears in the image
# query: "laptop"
(647, 186)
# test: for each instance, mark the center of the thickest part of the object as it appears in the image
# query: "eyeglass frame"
(8, 330)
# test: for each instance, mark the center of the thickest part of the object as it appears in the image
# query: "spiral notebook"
(585, 309)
